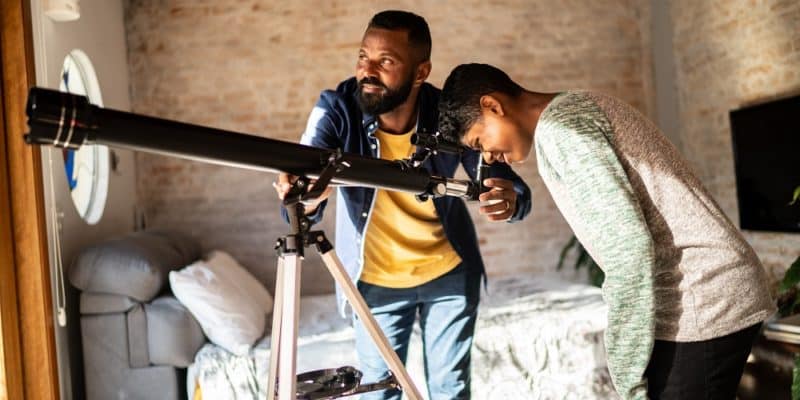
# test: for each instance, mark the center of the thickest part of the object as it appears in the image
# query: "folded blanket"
(536, 338)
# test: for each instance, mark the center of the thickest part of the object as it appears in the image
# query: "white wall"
(100, 34)
(666, 89)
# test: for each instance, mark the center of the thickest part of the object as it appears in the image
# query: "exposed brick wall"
(731, 53)
(258, 67)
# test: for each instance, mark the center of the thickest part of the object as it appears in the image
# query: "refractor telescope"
(69, 121)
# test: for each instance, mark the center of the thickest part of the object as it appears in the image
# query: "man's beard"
(377, 103)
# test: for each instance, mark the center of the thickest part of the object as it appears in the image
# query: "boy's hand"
(501, 199)
(284, 183)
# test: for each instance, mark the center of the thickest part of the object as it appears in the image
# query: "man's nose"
(369, 69)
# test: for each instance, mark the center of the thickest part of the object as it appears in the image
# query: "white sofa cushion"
(173, 334)
(135, 265)
(229, 317)
(225, 265)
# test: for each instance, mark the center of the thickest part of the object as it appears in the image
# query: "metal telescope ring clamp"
(61, 114)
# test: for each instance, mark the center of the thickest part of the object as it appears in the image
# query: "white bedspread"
(536, 338)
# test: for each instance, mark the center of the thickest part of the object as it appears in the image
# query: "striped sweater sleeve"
(574, 151)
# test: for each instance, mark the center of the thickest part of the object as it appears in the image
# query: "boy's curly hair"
(459, 104)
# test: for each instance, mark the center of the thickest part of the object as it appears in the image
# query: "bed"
(536, 338)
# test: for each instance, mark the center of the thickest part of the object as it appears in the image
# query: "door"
(27, 346)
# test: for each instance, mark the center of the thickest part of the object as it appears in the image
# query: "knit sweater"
(676, 267)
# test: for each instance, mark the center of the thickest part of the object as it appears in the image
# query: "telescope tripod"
(329, 383)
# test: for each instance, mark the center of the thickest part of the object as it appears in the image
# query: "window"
(87, 168)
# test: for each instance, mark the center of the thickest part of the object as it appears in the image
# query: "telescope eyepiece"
(435, 143)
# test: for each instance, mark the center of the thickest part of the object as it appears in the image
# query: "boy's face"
(499, 137)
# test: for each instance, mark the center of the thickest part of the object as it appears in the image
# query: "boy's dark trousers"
(710, 369)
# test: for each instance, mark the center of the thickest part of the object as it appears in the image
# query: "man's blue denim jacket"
(337, 122)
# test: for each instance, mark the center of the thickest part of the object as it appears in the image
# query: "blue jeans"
(447, 308)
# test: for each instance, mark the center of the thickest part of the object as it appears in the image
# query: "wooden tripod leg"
(360, 307)
(290, 314)
(275, 335)
(283, 340)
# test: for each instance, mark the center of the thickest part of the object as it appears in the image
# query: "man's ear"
(492, 104)
(423, 70)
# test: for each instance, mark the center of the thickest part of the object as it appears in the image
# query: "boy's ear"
(492, 104)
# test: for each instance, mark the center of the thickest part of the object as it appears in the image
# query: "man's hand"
(284, 183)
(501, 199)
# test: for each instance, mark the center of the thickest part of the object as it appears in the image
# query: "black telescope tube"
(70, 121)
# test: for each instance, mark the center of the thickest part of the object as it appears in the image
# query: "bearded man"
(409, 259)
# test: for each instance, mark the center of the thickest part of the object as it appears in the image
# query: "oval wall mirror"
(87, 168)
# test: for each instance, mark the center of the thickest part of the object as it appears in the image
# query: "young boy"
(686, 294)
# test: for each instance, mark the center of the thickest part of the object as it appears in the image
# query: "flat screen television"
(766, 153)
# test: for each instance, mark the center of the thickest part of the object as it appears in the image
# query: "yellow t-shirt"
(405, 244)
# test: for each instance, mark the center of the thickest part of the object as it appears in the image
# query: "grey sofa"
(137, 338)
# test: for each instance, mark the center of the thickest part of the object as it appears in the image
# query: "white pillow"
(226, 266)
(229, 318)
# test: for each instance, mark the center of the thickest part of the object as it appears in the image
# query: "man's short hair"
(459, 104)
(419, 35)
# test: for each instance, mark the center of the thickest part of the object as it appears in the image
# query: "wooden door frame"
(28, 358)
